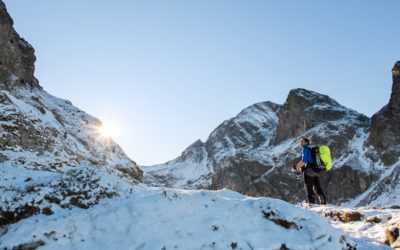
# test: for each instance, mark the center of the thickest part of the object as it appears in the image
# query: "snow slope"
(176, 219)
(52, 155)
(40, 131)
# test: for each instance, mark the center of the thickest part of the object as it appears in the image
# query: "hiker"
(311, 171)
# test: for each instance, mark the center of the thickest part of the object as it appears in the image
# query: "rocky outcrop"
(304, 110)
(385, 129)
(17, 56)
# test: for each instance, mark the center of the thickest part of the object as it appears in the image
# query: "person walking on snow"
(311, 172)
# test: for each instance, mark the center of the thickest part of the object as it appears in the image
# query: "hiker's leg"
(309, 187)
(319, 191)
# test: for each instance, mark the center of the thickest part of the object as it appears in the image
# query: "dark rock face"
(385, 129)
(303, 110)
(345, 183)
(239, 174)
(251, 178)
(17, 56)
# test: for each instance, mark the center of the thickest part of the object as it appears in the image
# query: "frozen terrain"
(176, 219)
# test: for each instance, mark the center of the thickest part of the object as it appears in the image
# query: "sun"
(108, 130)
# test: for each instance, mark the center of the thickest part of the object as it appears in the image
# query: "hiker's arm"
(300, 165)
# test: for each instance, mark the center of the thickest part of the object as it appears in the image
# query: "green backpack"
(323, 157)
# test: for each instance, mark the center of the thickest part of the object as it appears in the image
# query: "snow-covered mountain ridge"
(253, 152)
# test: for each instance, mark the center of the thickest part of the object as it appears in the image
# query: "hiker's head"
(304, 141)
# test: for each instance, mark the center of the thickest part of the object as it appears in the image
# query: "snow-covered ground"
(153, 218)
(369, 228)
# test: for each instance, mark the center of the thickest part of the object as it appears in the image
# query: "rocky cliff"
(385, 129)
(51, 153)
(17, 56)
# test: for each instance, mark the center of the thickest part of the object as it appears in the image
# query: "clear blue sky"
(168, 72)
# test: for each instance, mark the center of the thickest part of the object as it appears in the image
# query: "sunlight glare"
(108, 130)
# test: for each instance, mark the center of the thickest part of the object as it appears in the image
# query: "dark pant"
(313, 186)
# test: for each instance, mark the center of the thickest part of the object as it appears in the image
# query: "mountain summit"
(305, 109)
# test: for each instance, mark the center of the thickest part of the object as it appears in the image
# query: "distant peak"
(396, 68)
(394, 101)
(198, 143)
(261, 106)
(310, 97)
(304, 92)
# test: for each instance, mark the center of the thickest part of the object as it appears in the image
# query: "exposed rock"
(391, 235)
(385, 129)
(239, 174)
(17, 56)
(304, 110)
(373, 220)
(30, 245)
(47, 211)
(345, 183)
(272, 216)
(343, 216)
(21, 212)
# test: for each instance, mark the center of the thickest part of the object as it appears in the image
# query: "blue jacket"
(307, 155)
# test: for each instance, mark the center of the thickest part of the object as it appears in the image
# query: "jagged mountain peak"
(195, 151)
(197, 143)
(308, 98)
(252, 127)
(305, 109)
